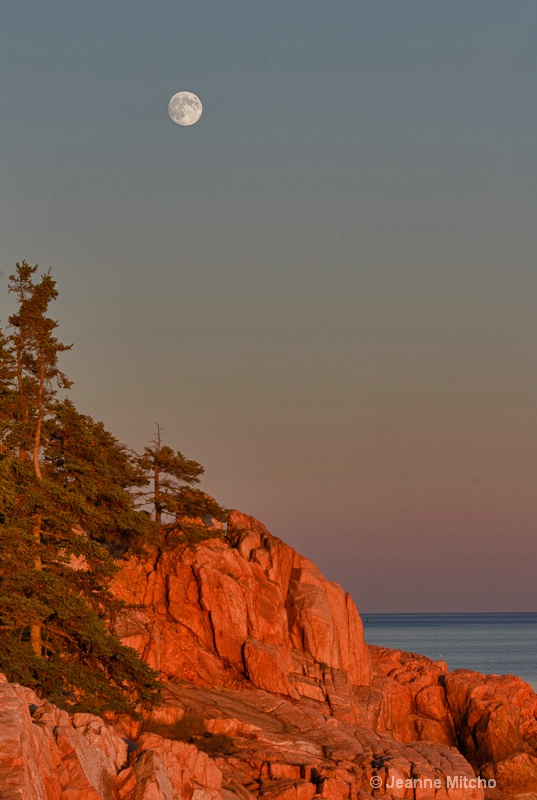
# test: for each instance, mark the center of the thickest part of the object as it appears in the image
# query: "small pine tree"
(166, 472)
(171, 478)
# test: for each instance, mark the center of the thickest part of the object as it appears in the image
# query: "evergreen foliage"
(97, 474)
(65, 507)
(172, 494)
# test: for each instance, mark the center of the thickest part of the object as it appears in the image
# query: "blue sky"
(325, 290)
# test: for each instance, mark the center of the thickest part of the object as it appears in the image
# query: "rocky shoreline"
(271, 692)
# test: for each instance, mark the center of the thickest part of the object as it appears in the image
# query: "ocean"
(503, 644)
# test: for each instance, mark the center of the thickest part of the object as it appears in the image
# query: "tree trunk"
(156, 478)
(39, 421)
(35, 629)
(158, 507)
(35, 639)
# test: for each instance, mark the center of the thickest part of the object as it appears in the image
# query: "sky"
(325, 290)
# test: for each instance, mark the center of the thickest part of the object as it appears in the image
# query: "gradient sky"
(325, 291)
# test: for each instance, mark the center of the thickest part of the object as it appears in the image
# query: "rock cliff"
(248, 608)
(271, 692)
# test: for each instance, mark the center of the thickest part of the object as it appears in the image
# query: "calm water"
(504, 644)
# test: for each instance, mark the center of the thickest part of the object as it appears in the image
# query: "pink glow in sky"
(325, 291)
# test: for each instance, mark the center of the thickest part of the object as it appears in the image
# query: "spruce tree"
(64, 504)
(167, 471)
(172, 493)
(97, 474)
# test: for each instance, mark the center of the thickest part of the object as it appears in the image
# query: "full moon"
(185, 108)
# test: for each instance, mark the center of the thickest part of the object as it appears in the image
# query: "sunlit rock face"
(271, 693)
(490, 719)
(249, 607)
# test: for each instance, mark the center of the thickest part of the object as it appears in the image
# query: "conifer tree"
(96, 474)
(64, 502)
(173, 495)
(38, 375)
(167, 471)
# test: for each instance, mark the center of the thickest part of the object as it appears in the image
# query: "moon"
(185, 108)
